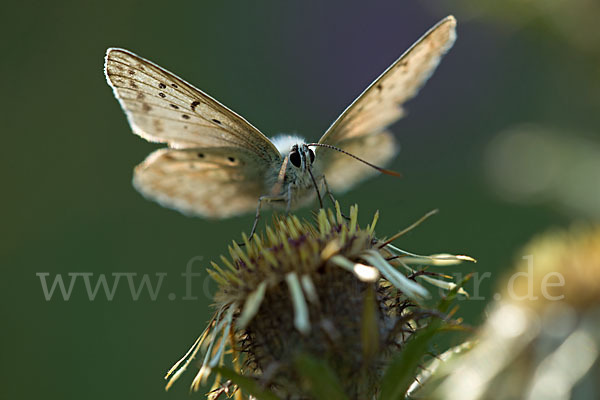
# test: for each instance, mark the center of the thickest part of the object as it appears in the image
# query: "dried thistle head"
(561, 265)
(541, 340)
(304, 296)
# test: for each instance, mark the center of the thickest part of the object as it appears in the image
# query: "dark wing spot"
(174, 85)
(185, 116)
(157, 125)
(133, 84)
(200, 155)
(194, 105)
(162, 85)
(174, 106)
(140, 96)
(216, 121)
(131, 72)
(161, 94)
(231, 159)
(379, 87)
(146, 107)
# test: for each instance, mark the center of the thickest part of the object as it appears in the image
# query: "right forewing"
(343, 172)
(381, 104)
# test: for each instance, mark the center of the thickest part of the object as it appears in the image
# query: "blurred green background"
(503, 140)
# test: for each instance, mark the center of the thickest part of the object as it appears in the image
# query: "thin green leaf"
(433, 366)
(445, 303)
(369, 330)
(402, 370)
(321, 381)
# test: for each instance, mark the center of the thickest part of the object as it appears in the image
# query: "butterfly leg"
(330, 195)
(316, 187)
(288, 205)
(327, 191)
(261, 199)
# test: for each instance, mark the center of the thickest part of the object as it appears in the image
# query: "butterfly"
(218, 165)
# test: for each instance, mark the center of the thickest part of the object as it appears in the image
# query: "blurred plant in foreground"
(323, 311)
(542, 340)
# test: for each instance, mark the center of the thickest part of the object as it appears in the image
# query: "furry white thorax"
(297, 180)
(284, 142)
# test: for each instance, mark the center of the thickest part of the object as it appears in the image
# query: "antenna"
(382, 170)
(316, 187)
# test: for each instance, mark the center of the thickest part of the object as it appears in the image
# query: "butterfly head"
(301, 156)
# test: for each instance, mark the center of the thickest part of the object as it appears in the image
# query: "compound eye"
(295, 159)
(311, 155)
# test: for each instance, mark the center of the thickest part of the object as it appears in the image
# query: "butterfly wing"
(161, 107)
(217, 162)
(343, 172)
(211, 182)
(381, 103)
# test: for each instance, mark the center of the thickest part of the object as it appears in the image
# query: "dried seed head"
(561, 265)
(541, 339)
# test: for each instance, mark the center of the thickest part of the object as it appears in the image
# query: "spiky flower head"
(327, 297)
